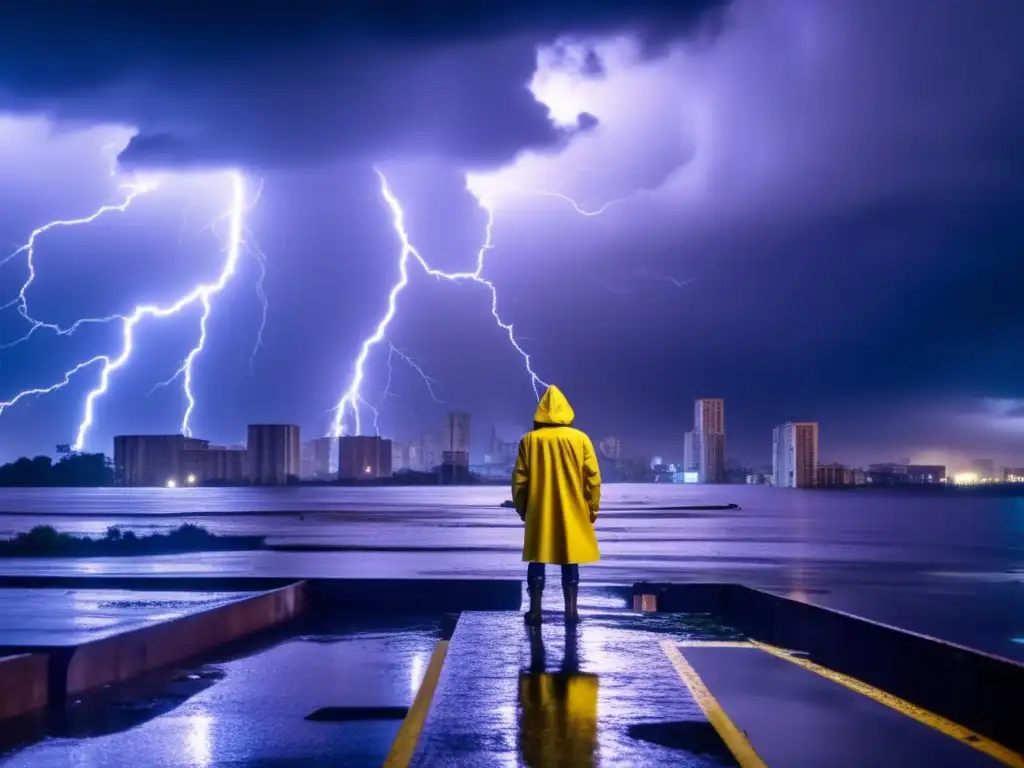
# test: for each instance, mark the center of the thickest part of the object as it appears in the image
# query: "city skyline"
(317, 457)
(573, 194)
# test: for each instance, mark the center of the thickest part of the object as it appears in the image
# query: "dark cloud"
(280, 83)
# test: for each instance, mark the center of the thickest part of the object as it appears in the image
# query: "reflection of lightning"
(202, 293)
(351, 398)
(131, 191)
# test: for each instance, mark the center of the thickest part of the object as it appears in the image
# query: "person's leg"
(535, 588)
(570, 590)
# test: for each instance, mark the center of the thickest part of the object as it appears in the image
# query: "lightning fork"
(235, 241)
(130, 190)
(351, 398)
(202, 293)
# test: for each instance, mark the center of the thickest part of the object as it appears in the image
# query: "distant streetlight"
(367, 469)
(191, 479)
(171, 483)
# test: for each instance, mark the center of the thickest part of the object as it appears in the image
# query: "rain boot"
(535, 586)
(571, 592)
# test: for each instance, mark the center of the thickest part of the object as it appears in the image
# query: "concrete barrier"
(977, 690)
(140, 583)
(127, 655)
(24, 684)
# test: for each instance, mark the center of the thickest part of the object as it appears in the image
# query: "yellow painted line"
(924, 716)
(409, 733)
(713, 644)
(733, 737)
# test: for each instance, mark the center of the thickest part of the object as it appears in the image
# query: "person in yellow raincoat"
(556, 489)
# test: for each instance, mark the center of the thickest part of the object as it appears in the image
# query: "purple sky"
(812, 211)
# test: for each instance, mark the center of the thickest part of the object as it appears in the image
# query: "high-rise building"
(318, 458)
(456, 432)
(429, 453)
(401, 455)
(711, 457)
(214, 464)
(408, 455)
(709, 426)
(709, 415)
(691, 452)
(363, 457)
(795, 454)
(152, 460)
(834, 476)
(273, 453)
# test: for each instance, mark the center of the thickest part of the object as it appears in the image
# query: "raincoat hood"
(554, 409)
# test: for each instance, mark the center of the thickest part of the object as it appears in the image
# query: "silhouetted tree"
(74, 470)
(27, 472)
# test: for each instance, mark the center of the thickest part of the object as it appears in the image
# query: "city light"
(172, 483)
(191, 479)
(367, 469)
(966, 478)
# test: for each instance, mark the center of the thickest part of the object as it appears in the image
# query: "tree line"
(76, 470)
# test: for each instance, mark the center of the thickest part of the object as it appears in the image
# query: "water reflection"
(558, 709)
(197, 740)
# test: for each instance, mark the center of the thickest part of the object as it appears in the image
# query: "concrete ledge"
(24, 684)
(416, 595)
(151, 583)
(975, 689)
(127, 655)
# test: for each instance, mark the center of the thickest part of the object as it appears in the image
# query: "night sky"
(814, 210)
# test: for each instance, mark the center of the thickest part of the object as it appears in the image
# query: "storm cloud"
(276, 83)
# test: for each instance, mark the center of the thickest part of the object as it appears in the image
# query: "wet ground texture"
(620, 689)
(71, 617)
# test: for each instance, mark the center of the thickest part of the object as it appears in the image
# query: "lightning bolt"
(238, 237)
(677, 282)
(261, 260)
(352, 397)
(588, 212)
(430, 382)
(202, 293)
(130, 192)
(386, 393)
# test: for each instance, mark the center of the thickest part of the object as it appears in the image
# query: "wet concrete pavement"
(333, 690)
(254, 708)
(54, 617)
(796, 718)
(602, 693)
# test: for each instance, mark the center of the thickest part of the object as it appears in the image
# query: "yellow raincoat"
(556, 486)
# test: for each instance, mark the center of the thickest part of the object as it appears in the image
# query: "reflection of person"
(557, 711)
(556, 489)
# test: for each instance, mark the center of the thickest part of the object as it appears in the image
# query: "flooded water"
(950, 565)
